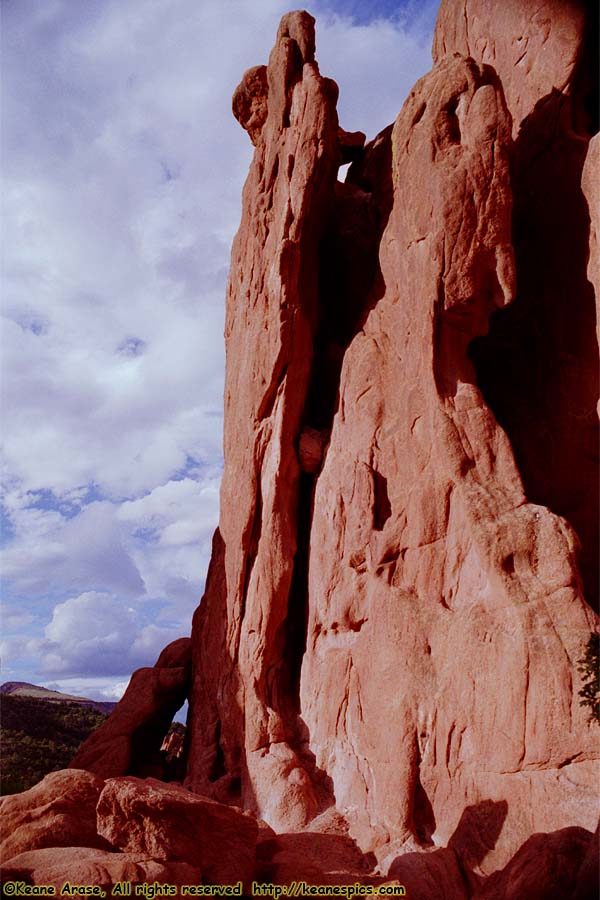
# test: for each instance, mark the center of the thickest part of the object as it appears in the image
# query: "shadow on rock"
(450, 873)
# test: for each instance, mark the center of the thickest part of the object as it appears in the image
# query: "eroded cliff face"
(394, 609)
(538, 367)
(244, 729)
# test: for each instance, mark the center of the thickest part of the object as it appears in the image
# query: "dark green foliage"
(40, 736)
(589, 667)
(178, 727)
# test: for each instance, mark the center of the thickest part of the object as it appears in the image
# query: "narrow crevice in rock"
(382, 509)
(348, 278)
(350, 281)
(297, 617)
(423, 815)
(218, 767)
(252, 546)
(348, 273)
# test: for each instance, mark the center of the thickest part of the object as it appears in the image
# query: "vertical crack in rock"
(392, 619)
(348, 269)
(445, 617)
(272, 319)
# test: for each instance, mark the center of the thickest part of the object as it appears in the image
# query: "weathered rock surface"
(534, 49)
(429, 571)
(538, 368)
(59, 811)
(545, 868)
(83, 866)
(394, 609)
(244, 733)
(167, 822)
(129, 741)
(403, 576)
(431, 874)
(590, 185)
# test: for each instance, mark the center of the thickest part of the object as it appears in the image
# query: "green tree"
(589, 667)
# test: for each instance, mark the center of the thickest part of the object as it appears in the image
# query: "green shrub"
(589, 667)
(38, 737)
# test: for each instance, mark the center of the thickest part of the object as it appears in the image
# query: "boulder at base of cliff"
(85, 866)
(59, 811)
(169, 822)
(547, 867)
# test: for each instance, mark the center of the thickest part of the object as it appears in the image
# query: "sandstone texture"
(430, 573)
(59, 811)
(405, 569)
(83, 866)
(167, 822)
(590, 184)
(405, 573)
(547, 867)
(538, 368)
(534, 48)
(129, 741)
(244, 730)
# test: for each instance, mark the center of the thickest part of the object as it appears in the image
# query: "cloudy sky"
(122, 170)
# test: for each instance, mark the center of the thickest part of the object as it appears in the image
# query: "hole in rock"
(158, 750)
(343, 171)
(508, 564)
(382, 509)
(451, 129)
(423, 815)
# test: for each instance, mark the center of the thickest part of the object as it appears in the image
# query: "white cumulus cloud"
(122, 170)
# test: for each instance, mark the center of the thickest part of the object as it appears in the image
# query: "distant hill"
(24, 689)
(41, 731)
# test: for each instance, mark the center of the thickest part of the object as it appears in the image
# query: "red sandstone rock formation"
(590, 184)
(129, 742)
(384, 661)
(435, 589)
(244, 725)
(166, 822)
(549, 866)
(394, 608)
(81, 865)
(59, 811)
(538, 368)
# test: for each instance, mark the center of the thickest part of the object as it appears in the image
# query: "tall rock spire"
(394, 609)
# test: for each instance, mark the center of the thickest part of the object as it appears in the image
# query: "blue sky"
(122, 171)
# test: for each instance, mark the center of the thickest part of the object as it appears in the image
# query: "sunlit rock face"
(383, 672)
(245, 731)
(395, 607)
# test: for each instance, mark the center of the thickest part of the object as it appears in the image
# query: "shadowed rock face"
(538, 367)
(394, 608)
(129, 742)
(445, 612)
